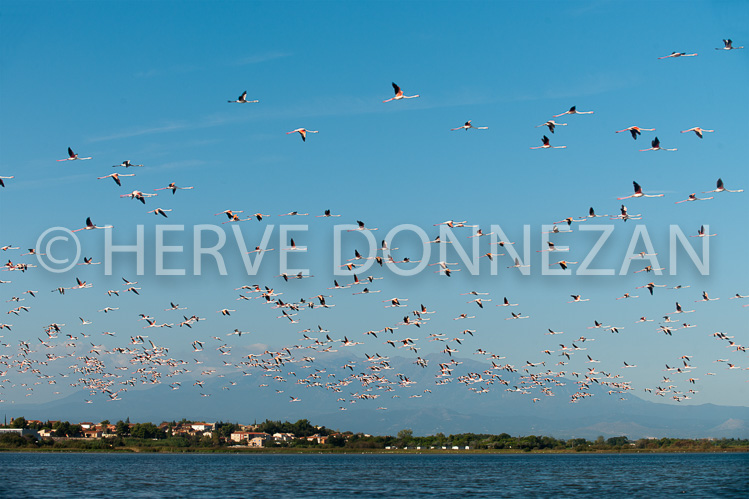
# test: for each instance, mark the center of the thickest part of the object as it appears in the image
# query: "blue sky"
(149, 82)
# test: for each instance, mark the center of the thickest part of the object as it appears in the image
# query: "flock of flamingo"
(77, 354)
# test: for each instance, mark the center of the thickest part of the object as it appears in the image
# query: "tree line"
(168, 436)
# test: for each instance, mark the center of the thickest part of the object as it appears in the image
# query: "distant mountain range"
(449, 408)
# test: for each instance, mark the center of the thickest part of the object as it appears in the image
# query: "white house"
(203, 426)
(283, 437)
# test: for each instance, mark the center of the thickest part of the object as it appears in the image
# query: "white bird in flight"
(303, 132)
(546, 145)
(173, 187)
(693, 197)
(551, 124)
(242, 99)
(635, 131)
(399, 94)
(116, 177)
(719, 187)
(655, 145)
(125, 164)
(638, 193)
(72, 156)
(677, 54)
(572, 110)
(728, 45)
(90, 225)
(140, 196)
(697, 130)
(467, 126)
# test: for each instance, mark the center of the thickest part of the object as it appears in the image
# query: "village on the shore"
(251, 435)
(177, 436)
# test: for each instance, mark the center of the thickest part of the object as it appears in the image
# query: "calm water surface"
(372, 475)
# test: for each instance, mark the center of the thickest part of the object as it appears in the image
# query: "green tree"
(62, 428)
(405, 436)
(146, 430)
(121, 428)
(18, 423)
(617, 441)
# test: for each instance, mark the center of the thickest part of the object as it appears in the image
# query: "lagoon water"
(372, 475)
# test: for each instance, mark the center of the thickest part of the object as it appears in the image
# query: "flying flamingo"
(592, 214)
(327, 214)
(556, 230)
(90, 225)
(638, 193)
(517, 264)
(467, 126)
(293, 213)
(140, 196)
(159, 211)
(720, 188)
(635, 131)
(229, 213)
(480, 233)
(360, 226)
(116, 177)
(2, 184)
(697, 130)
(572, 110)
(648, 269)
(576, 299)
(677, 54)
(728, 45)
(242, 99)
(569, 220)
(706, 298)
(679, 310)
(303, 132)
(479, 301)
(126, 164)
(701, 233)
(399, 94)
(693, 197)
(564, 264)
(651, 286)
(551, 125)
(72, 156)
(546, 145)
(506, 303)
(172, 187)
(89, 260)
(655, 145)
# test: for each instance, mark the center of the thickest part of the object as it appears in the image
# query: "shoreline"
(155, 450)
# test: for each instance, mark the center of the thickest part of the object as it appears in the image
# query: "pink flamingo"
(655, 145)
(720, 188)
(72, 156)
(467, 126)
(303, 132)
(546, 144)
(677, 54)
(243, 99)
(572, 110)
(638, 193)
(697, 130)
(635, 131)
(399, 94)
